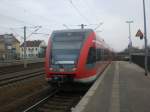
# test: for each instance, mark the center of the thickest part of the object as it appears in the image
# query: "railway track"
(17, 68)
(57, 101)
(3, 74)
(19, 76)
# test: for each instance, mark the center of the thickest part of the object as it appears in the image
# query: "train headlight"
(61, 70)
(51, 69)
(74, 69)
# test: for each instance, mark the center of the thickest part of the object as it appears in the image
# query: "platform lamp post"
(130, 41)
(145, 38)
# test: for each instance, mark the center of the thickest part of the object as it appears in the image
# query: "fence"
(139, 60)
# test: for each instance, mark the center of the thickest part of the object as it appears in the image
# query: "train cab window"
(66, 47)
(91, 57)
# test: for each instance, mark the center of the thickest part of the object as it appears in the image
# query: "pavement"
(122, 87)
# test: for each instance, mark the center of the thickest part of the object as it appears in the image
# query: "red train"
(75, 56)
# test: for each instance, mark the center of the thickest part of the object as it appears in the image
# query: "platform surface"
(123, 87)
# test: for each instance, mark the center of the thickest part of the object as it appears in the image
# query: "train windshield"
(66, 47)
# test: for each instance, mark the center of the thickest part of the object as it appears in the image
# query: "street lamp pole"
(130, 41)
(25, 63)
(145, 38)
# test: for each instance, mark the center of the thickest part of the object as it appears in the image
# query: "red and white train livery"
(75, 56)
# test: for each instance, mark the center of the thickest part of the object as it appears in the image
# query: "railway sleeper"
(56, 103)
(48, 110)
(60, 100)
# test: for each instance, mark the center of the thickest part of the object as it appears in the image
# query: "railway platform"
(122, 87)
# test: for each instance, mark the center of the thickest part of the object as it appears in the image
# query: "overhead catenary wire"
(39, 33)
(13, 30)
(78, 11)
(72, 4)
(101, 23)
(31, 13)
(15, 19)
(66, 26)
(85, 4)
(37, 28)
(16, 33)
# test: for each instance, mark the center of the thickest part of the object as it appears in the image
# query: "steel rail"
(36, 105)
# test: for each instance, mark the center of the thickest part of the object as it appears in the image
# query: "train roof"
(87, 31)
(73, 30)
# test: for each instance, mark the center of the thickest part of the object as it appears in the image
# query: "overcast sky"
(52, 14)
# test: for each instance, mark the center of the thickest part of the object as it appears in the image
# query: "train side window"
(91, 57)
(98, 54)
(105, 54)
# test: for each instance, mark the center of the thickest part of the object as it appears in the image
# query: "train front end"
(62, 55)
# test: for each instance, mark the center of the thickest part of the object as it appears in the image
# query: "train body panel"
(75, 55)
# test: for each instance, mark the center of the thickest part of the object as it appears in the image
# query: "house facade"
(34, 49)
(9, 47)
